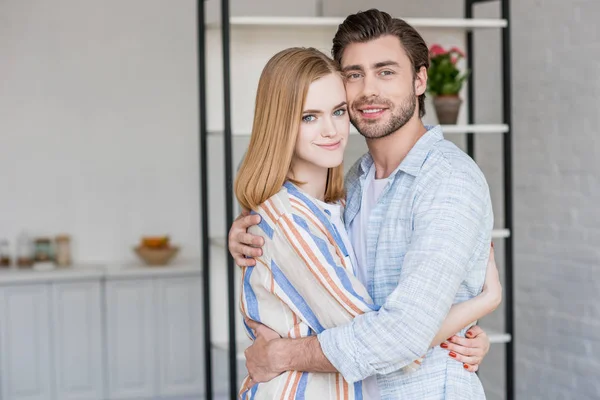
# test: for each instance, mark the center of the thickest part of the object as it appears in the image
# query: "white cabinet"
(130, 329)
(50, 341)
(180, 343)
(154, 337)
(24, 343)
(116, 335)
(77, 340)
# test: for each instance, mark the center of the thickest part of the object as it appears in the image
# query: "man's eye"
(309, 118)
(385, 73)
(354, 76)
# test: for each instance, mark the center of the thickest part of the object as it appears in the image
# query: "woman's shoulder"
(275, 206)
(292, 203)
(282, 211)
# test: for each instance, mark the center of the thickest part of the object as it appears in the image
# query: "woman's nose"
(328, 129)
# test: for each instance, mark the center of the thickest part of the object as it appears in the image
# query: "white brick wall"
(556, 68)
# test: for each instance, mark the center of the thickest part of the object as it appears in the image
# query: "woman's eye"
(340, 112)
(309, 118)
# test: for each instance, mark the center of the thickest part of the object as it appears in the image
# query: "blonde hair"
(280, 98)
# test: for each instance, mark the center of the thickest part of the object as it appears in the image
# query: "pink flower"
(453, 59)
(457, 51)
(436, 50)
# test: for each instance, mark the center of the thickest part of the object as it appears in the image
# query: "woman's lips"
(330, 146)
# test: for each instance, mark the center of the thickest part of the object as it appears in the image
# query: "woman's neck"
(312, 178)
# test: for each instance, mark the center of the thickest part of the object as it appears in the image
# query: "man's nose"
(371, 87)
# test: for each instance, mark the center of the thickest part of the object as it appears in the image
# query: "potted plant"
(445, 82)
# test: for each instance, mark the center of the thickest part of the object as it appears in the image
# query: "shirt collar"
(415, 158)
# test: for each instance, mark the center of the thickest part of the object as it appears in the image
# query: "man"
(420, 218)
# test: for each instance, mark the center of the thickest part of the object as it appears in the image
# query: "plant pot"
(447, 108)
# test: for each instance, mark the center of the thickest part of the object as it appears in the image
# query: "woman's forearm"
(465, 313)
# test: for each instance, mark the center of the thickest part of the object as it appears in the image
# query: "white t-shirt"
(372, 189)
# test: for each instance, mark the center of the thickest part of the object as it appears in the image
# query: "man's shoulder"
(446, 159)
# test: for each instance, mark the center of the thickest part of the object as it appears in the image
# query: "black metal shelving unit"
(507, 172)
(204, 213)
(227, 149)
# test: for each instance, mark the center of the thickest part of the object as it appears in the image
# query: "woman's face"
(325, 124)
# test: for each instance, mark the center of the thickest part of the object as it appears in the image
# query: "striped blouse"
(303, 284)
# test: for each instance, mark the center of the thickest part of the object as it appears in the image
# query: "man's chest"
(385, 229)
(389, 234)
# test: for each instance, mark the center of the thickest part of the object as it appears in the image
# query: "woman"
(292, 176)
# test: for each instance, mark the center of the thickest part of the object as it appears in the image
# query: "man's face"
(381, 86)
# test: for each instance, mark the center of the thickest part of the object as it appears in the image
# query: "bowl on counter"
(156, 256)
(156, 250)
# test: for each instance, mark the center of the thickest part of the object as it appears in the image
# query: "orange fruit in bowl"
(155, 242)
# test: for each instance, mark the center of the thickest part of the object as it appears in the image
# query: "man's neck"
(389, 152)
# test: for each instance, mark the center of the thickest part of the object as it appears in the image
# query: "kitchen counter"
(96, 271)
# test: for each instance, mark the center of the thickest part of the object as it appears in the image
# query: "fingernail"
(465, 366)
(444, 345)
(469, 334)
(492, 245)
(449, 339)
(452, 354)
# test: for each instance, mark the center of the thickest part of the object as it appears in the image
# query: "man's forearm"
(303, 354)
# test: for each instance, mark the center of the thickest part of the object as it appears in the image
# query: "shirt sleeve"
(450, 222)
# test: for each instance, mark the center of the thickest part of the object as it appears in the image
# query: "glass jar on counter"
(43, 250)
(25, 250)
(63, 250)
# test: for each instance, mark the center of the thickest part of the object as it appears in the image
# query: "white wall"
(98, 123)
(557, 165)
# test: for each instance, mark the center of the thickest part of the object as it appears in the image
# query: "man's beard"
(376, 129)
